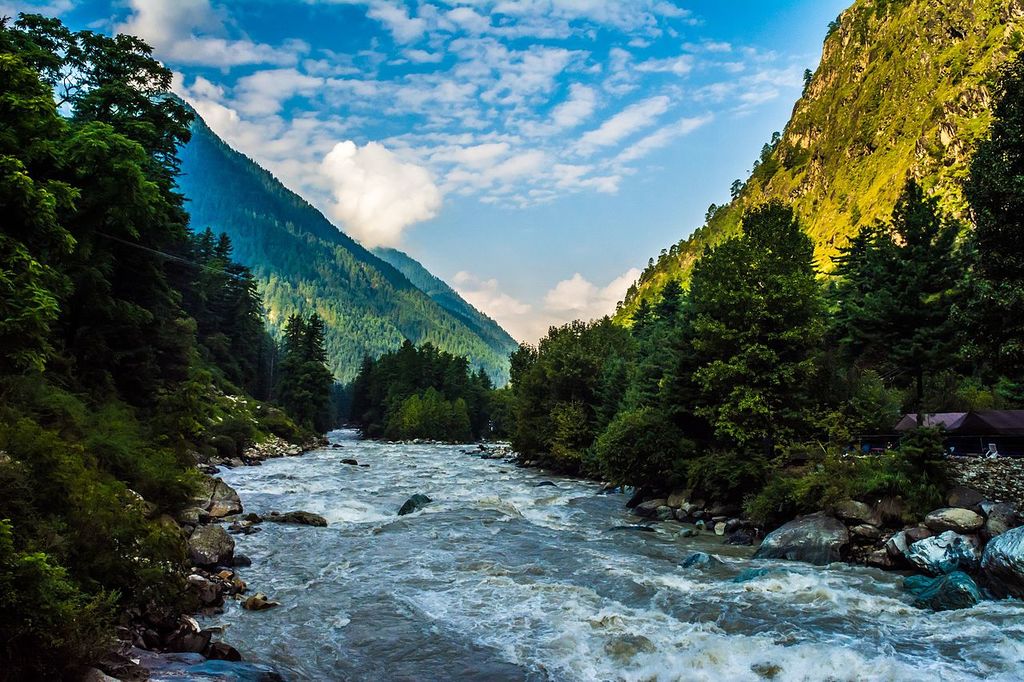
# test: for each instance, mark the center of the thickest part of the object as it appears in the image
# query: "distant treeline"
(425, 393)
(724, 387)
(128, 346)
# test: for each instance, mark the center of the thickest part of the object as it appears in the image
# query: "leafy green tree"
(898, 283)
(995, 190)
(758, 318)
(304, 387)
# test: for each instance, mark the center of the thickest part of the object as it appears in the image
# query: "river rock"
(217, 498)
(816, 538)
(1002, 516)
(1003, 563)
(742, 538)
(944, 593)
(94, 675)
(207, 591)
(349, 461)
(865, 531)
(259, 602)
(958, 520)
(219, 651)
(720, 528)
(414, 503)
(664, 513)
(678, 498)
(854, 512)
(897, 545)
(545, 484)
(699, 560)
(634, 526)
(880, 558)
(210, 545)
(917, 533)
(964, 497)
(649, 508)
(943, 554)
(688, 533)
(300, 518)
(188, 637)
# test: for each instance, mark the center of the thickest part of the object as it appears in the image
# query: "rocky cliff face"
(903, 90)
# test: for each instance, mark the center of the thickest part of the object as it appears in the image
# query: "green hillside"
(446, 297)
(903, 89)
(303, 263)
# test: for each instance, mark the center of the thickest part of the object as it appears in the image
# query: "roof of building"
(976, 423)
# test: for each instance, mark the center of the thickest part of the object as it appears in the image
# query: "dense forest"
(129, 346)
(304, 264)
(426, 393)
(754, 382)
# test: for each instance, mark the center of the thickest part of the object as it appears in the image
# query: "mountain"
(446, 297)
(304, 263)
(903, 90)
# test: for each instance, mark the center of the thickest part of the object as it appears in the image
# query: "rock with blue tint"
(414, 503)
(945, 593)
(700, 560)
(176, 667)
(943, 554)
(748, 574)
(817, 539)
(1003, 563)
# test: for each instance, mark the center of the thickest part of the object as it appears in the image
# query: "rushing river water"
(502, 579)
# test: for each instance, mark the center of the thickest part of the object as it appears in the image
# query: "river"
(502, 579)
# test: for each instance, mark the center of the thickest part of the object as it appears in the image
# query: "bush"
(727, 475)
(640, 448)
(48, 626)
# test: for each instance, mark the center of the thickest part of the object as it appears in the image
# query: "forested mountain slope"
(903, 90)
(304, 263)
(446, 297)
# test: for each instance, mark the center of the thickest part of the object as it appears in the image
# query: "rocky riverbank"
(954, 557)
(172, 645)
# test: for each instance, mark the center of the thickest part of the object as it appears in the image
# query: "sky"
(532, 153)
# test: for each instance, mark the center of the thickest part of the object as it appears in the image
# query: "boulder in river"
(958, 520)
(649, 508)
(699, 560)
(210, 545)
(943, 554)
(300, 518)
(945, 593)
(259, 602)
(816, 538)
(188, 637)
(742, 537)
(1003, 563)
(351, 462)
(414, 503)
(678, 498)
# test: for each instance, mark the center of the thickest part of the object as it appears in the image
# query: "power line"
(171, 256)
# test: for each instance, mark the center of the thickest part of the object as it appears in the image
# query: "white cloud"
(628, 121)
(583, 299)
(573, 298)
(51, 8)
(194, 32)
(576, 109)
(396, 19)
(661, 137)
(376, 195)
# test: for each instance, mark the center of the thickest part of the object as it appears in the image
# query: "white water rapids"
(499, 579)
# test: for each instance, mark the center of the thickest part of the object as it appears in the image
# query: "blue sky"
(533, 153)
